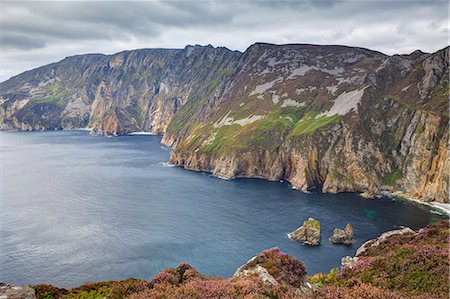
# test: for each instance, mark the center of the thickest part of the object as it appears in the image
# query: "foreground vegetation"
(410, 265)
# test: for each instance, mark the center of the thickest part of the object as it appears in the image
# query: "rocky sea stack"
(341, 236)
(308, 233)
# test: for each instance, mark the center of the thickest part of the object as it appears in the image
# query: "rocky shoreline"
(371, 273)
(328, 118)
(441, 206)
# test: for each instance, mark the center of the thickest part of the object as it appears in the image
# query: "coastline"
(141, 133)
(441, 206)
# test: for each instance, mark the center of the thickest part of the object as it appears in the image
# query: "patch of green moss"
(309, 124)
(225, 139)
(390, 178)
(312, 223)
(213, 85)
(340, 177)
(183, 119)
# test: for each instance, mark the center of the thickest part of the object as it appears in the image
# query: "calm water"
(76, 208)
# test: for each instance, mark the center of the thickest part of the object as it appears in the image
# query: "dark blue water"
(76, 208)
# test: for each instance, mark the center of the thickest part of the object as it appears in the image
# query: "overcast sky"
(35, 33)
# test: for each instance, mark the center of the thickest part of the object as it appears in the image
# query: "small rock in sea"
(308, 233)
(341, 236)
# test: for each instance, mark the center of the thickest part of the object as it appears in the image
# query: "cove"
(76, 208)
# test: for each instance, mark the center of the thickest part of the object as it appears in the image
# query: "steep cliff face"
(137, 90)
(330, 118)
(323, 117)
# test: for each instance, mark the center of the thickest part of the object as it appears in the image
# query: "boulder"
(348, 262)
(341, 236)
(308, 233)
(258, 271)
(16, 292)
(276, 268)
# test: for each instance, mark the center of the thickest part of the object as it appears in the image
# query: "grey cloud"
(23, 42)
(37, 32)
(87, 20)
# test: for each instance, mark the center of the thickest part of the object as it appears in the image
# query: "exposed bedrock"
(331, 118)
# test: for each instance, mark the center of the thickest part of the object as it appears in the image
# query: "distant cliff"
(333, 118)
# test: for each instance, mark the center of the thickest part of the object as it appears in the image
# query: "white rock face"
(262, 88)
(344, 103)
(348, 262)
(301, 71)
(260, 271)
(332, 88)
(275, 98)
(228, 121)
(225, 121)
(374, 243)
(406, 88)
(292, 103)
(248, 120)
(15, 292)
(307, 89)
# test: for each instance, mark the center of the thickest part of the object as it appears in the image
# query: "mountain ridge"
(334, 118)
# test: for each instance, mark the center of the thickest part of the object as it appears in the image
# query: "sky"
(35, 33)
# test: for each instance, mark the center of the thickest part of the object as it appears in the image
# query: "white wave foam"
(166, 164)
(140, 133)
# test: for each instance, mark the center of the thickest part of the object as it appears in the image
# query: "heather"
(184, 281)
(407, 265)
(282, 267)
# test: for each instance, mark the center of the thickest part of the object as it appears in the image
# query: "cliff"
(332, 118)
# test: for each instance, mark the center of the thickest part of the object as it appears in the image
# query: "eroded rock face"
(333, 118)
(348, 262)
(375, 242)
(308, 233)
(16, 292)
(260, 272)
(275, 268)
(341, 236)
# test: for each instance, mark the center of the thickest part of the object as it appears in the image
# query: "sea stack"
(308, 233)
(341, 236)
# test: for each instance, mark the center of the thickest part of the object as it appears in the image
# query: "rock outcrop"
(308, 233)
(382, 238)
(276, 268)
(332, 118)
(348, 262)
(270, 274)
(341, 236)
(16, 292)
(397, 264)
